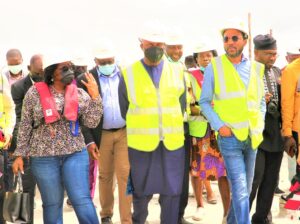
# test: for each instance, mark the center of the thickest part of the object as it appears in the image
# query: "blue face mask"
(107, 69)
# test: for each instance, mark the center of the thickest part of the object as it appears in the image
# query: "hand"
(93, 151)
(18, 165)
(225, 131)
(268, 97)
(194, 110)
(289, 146)
(7, 142)
(91, 85)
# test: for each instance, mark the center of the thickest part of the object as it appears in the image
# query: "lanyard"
(74, 127)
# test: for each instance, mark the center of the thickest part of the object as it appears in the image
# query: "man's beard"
(236, 54)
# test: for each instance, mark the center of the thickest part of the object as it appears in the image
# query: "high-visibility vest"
(197, 124)
(2, 115)
(154, 114)
(181, 71)
(236, 105)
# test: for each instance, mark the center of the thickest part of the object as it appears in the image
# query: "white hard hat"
(293, 51)
(234, 24)
(174, 37)
(56, 56)
(105, 49)
(80, 61)
(153, 31)
(203, 47)
(203, 44)
(80, 57)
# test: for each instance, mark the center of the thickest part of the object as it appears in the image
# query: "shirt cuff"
(89, 144)
(287, 132)
(217, 125)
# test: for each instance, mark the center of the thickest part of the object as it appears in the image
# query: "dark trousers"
(184, 197)
(267, 167)
(2, 184)
(295, 135)
(168, 204)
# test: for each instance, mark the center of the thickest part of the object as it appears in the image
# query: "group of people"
(150, 126)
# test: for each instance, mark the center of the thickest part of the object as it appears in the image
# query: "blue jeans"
(239, 158)
(54, 174)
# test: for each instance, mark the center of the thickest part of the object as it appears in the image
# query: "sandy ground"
(213, 213)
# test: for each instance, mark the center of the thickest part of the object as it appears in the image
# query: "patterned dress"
(207, 161)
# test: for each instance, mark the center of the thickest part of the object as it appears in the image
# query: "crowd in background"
(152, 127)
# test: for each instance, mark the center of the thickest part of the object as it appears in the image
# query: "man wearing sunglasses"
(235, 85)
(270, 151)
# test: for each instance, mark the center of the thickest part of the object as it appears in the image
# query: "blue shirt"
(154, 72)
(207, 94)
(109, 91)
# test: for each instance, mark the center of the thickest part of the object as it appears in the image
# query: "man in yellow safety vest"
(235, 85)
(152, 100)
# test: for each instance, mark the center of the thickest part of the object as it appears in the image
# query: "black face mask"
(154, 54)
(78, 70)
(36, 77)
(67, 76)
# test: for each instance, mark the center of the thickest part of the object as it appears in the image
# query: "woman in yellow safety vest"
(206, 162)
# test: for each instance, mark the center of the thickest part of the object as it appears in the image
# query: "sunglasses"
(233, 38)
(66, 68)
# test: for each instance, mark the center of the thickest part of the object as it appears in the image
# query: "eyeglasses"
(233, 38)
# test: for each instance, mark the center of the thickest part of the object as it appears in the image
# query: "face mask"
(107, 69)
(154, 54)
(202, 68)
(78, 71)
(36, 77)
(15, 69)
(67, 77)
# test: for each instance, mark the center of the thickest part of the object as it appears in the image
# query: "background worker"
(270, 151)
(290, 106)
(173, 52)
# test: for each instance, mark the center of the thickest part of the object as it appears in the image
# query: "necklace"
(58, 91)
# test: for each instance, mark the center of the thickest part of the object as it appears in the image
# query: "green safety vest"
(154, 114)
(237, 106)
(197, 124)
(2, 115)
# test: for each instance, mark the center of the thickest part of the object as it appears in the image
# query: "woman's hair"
(48, 74)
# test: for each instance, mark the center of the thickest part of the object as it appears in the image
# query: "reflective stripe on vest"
(197, 124)
(154, 114)
(2, 117)
(231, 94)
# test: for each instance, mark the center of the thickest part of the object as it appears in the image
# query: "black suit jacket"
(91, 134)
(273, 141)
(18, 92)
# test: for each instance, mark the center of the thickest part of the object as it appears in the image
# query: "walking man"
(236, 87)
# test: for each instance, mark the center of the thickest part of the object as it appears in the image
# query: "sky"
(35, 26)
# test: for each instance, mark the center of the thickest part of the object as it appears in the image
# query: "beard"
(233, 54)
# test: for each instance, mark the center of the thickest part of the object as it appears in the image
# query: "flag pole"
(249, 36)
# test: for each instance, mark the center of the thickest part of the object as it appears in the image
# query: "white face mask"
(15, 69)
